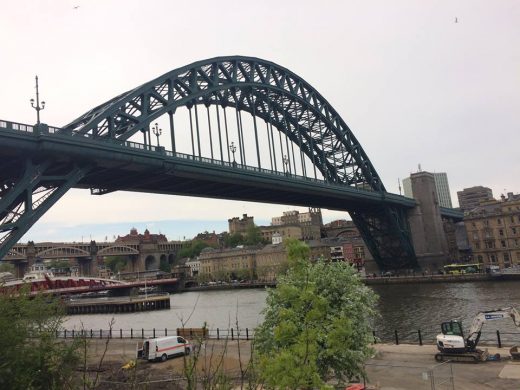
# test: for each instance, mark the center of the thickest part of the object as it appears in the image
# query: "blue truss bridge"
(236, 128)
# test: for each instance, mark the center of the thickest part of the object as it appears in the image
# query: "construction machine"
(453, 346)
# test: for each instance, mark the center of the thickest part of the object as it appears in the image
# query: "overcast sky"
(414, 85)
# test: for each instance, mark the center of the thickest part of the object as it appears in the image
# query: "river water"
(405, 308)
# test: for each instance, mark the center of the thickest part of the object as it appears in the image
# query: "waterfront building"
(441, 185)
(494, 231)
(194, 266)
(271, 261)
(472, 197)
(222, 264)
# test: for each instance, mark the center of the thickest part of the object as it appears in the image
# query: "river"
(405, 308)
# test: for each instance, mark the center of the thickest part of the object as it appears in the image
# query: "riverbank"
(392, 367)
(378, 280)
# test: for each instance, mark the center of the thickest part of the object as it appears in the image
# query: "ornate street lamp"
(37, 107)
(285, 164)
(157, 132)
(233, 149)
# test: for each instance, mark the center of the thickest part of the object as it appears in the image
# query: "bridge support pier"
(429, 238)
(20, 267)
(85, 265)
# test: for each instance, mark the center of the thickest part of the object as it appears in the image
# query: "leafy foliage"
(252, 236)
(31, 357)
(6, 267)
(192, 250)
(317, 324)
(116, 263)
(164, 265)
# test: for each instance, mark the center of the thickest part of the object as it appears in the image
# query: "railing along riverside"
(418, 336)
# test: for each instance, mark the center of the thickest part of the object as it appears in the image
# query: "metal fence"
(428, 336)
(141, 333)
(418, 337)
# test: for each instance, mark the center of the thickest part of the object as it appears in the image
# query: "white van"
(164, 347)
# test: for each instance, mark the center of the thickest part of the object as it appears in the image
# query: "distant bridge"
(142, 256)
(290, 147)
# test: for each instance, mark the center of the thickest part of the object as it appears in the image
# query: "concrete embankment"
(429, 279)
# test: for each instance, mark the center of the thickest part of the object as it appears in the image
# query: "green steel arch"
(262, 88)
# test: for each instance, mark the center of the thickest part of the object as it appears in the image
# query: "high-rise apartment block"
(441, 185)
(472, 197)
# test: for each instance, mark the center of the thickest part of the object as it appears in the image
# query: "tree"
(6, 267)
(116, 263)
(31, 356)
(232, 240)
(253, 236)
(164, 265)
(192, 250)
(317, 324)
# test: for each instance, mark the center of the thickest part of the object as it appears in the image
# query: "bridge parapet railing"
(155, 149)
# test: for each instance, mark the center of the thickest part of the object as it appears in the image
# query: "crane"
(453, 346)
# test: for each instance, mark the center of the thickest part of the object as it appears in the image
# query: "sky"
(435, 83)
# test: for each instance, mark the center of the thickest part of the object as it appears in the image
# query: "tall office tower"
(441, 185)
(469, 198)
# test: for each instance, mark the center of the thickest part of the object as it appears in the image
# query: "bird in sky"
(76, 7)
(456, 20)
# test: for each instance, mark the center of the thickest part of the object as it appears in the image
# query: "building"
(237, 225)
(494, 231)
(310, 222)
(279, 233)
(223, 264)
(472, 197)
(271, 261)
(194, 266)
(211, 239)
(441, 185)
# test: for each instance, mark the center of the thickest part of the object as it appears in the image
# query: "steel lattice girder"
(32, 191)
(259, 87)
(387, 235)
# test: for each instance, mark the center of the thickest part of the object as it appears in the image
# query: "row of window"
(512, 219)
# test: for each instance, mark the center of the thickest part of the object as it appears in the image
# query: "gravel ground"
(392, 367)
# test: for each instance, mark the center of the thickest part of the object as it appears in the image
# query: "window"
(479, 258)
(506, 257)
(501, 232)
(492, 258)
(499, 221)
(513, 230)
(475, 236)
(477, 245)
(503, 243)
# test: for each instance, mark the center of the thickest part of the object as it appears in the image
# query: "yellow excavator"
(453, 346)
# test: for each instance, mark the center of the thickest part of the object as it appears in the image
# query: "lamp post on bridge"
(157, 131)
(233, 149)
(285, 164)
(37, 107)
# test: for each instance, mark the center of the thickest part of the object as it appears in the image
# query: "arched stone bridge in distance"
(238, 128)
(142, 256)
